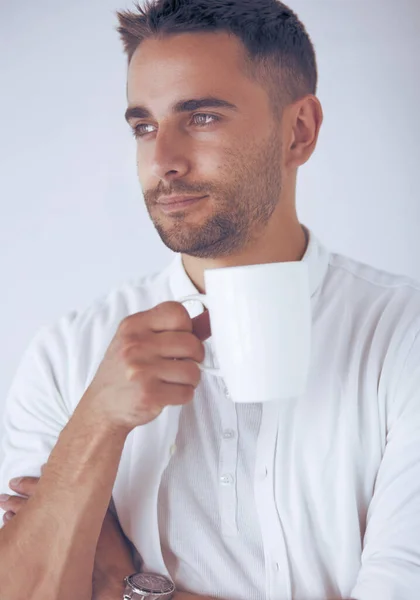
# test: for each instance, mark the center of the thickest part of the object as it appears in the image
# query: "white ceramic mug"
(261, 323)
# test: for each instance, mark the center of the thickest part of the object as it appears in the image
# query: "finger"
(201, 326)
(168, 316)
(14, 503)
(25, 486)
(176, 345)
(8, 516)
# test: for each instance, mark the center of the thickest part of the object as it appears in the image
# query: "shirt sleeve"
(36, 410)
(390, 568)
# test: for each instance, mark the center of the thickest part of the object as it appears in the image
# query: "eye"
(138, 132)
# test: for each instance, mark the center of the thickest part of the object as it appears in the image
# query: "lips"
(180, 206)
(178, 200)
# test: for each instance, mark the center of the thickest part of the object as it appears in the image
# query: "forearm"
(49, 547)
(113, 561)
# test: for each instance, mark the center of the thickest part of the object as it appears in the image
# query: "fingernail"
(16, 481)
(4, 497)
(8, 516)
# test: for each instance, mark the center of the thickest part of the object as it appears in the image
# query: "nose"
(170, 155)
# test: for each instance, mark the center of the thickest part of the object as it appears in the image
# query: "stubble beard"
(241, 210)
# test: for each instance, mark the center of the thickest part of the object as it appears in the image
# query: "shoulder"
(68, 350)
(369, 289)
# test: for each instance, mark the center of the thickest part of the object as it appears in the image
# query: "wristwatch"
(141, 586)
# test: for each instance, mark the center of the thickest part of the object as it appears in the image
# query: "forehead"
(181, 64)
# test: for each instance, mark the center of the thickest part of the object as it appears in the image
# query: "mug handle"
(202, 298)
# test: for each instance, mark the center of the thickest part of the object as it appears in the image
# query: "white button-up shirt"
(315, 497)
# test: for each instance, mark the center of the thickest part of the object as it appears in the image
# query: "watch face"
(151, 584)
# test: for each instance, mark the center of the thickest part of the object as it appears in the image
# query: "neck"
(290, 246)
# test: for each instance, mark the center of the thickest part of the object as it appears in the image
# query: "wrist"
(108, 588)
(91, 412)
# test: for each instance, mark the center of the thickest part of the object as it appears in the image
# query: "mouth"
(177, 206)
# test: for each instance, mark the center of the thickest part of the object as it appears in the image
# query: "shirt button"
(172, 450)
(277, 566)
(229, 434)
(226, 480)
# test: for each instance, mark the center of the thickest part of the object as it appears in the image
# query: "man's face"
(233, 159)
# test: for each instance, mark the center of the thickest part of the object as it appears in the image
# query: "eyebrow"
(141, 112)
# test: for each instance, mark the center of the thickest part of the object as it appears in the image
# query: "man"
(316, 497)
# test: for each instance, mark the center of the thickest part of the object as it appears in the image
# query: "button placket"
(277, 564)
(228, 459)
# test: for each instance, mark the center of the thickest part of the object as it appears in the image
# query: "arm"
(50, 545)
(113, 559)
(391, 554)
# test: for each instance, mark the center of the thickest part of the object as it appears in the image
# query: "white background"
(72, 219)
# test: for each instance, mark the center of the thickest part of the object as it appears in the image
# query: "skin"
(246, 163)
(111, 544)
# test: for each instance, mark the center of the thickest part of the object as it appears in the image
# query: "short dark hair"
(279, 53)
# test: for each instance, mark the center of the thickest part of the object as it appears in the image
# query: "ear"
(303, 120)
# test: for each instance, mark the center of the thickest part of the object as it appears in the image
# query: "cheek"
(142, 171)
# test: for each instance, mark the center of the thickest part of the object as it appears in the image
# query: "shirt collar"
(316, 256)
